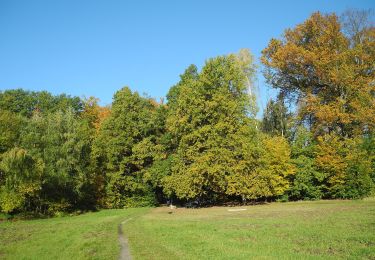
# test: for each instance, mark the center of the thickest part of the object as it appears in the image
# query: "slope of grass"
(299, 230)
(87, 236)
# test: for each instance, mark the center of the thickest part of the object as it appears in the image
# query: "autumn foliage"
(205, 145)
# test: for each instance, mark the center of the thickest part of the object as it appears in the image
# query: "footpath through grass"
(296, 230)
(87, 236)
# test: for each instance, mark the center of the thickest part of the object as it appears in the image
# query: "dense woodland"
(204, 145)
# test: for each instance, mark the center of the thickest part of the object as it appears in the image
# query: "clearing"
(303, 230)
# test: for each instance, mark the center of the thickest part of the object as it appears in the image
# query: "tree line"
(205, 145)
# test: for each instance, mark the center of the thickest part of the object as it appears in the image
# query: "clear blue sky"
(93, 48)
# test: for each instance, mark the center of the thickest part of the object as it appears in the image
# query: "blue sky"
(93, 48)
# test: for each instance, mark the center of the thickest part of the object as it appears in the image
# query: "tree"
(269, 172)
(63, 143)
(326, 66)
(10, 129)
(355, 23)
(276, 118)
(277, 165)
(331, 79)
(17, 101)
(190, 74)
(25, 103)
(308, 182)
(126, 145)
(346, 168)
(93, 113)
(210, 123)
(21, 182)
(368, 146)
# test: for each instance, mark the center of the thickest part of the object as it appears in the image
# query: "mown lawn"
(87, 236)
(296, 230)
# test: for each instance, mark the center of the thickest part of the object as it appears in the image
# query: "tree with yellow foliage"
(331, 78)
(326, 65)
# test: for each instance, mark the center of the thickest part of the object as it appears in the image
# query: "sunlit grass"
(295, 230)
(299, 230)
(88, 236)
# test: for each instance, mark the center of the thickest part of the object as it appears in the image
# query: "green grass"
(296, 230)
(87, 236)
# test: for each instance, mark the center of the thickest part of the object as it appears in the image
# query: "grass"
(87, 236)
(295, 230)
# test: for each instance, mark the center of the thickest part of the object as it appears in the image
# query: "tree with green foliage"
(211, 123)
(63, 143)
(368, 146)
(308, 182)
(26, 103)
(10, 130)
(191, 73)
(276, 118)
(21, 181)
(126, 146)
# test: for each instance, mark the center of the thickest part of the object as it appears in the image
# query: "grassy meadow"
(295, 230)
(87, 236)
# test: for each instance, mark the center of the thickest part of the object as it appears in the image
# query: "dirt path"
(124, 251)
